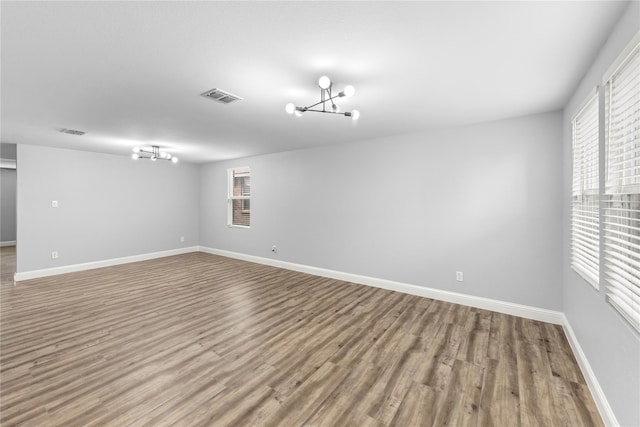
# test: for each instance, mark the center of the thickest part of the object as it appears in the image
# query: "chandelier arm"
(324, 104)
(150, 157)
(326, 112)
(320, 102)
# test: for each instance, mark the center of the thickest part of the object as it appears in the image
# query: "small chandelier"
(153, 154)
(326, 97)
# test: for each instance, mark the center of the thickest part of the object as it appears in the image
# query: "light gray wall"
(7, 205)
(612, 348)
(109, 206)
(8, 150)
(482, 199)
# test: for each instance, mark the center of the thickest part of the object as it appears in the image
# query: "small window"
(239, 197)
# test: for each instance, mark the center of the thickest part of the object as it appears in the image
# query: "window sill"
(587, 277)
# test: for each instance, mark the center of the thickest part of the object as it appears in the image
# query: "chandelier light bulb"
(298, 113)
(349, 91)
(324, 82)
(174, 159)
(163, 154)
(135, 156)
(136, 149)
(290, 108)
(154, 158)
(355, 115)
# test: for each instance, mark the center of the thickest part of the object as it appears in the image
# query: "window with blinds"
(239, 197)
(585, 234)
(622, 185)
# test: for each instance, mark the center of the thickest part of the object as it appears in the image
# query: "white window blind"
(585, 234)
(622, 188)
(239, 197)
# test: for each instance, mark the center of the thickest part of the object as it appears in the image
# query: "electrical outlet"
(274, 249)
(459, 276)
(54, 255)
(54, 203)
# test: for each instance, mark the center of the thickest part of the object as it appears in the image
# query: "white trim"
(586, 277)
(608, 417)
(633, 44)
(27, 275)
(592, 95)
(8, 164)
(7, 243)
(528, 312)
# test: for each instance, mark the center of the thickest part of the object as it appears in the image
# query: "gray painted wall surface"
(612, 348)
(109, 206)
(7, 150)
(483, 199)
(7, 205)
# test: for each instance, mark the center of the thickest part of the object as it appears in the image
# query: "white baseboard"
(520, 310)
(608, 417)
(528, 312)
(7, 243)
(27, 275)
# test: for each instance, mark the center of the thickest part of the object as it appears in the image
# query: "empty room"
(320, 213)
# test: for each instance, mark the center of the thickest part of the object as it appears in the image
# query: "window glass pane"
(240, 215)
(241, 184)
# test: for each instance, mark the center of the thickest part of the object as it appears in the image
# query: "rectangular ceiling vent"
(221, 96)
(72, 132)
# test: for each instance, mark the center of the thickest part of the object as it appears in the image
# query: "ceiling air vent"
(72, 132)
(220, 96)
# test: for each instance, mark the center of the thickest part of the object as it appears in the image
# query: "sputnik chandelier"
(326, 96)
(153, 154)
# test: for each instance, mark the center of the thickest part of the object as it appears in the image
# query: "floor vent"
(221, 96)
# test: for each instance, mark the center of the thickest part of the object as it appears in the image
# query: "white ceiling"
(130, 73)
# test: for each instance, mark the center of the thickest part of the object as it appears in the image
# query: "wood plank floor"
(7, 263)
(201, 340)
